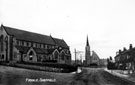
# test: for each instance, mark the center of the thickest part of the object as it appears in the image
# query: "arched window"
(56, 55)
(1, 43)
(31, 55)
(62, 56)
(2, 56)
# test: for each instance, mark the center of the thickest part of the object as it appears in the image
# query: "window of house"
(38, 46)
(39, 58)
(31, 55)
(60, 48)
(1, 43)
(56, 54)
(46, 47)
(62, 55)
(22, 43)
(34, 45)
(17, 42)
(42, 46)
(25, 55)
(67, 51)
(56, 46)
(67, 58)
(27, 43)
(30, 44)
(15, 54)
(2, 56)
(52, 47)
(49, 47)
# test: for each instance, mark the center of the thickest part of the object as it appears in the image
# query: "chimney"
(130, 47)
(124, 49)
(119, 51)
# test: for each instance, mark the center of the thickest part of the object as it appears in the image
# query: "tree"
(111, 58)
(110, 65)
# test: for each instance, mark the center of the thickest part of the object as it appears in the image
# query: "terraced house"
(19, 46)
(125, 59)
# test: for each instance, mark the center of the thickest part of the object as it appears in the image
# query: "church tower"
(87, 53)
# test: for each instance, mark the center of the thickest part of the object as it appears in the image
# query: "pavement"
(79, 70)
(121, 74)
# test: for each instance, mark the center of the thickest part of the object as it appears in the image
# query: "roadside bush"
(64, 67)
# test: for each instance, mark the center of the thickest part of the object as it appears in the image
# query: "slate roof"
(61, 43)
(29, 36)
(23, 49)
(40, 51)
(35, 37)
(50, 51)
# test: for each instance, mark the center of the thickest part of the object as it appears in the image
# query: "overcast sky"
(109, 24)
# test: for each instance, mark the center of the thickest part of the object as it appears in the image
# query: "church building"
(87, 53)
(95, 58)
(23, 46)
(90, 58)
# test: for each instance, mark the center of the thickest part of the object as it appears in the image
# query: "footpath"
(121, 74)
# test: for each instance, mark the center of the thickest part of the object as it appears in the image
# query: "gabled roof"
(94, 55)
(34, 37)
(29, 36)
(61, 43)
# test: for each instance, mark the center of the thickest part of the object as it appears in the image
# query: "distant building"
(77, 62)
(88, 57)
(95, 58)
(23, 46)
(103, 62)
(125, 59)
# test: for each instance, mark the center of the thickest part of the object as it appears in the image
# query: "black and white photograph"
(67, 42)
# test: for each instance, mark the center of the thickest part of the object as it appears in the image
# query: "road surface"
(97, 76)
(89, 76)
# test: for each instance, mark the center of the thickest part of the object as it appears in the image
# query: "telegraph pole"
(81, 60)
(75, 56)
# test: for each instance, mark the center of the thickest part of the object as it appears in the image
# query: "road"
(89, 76)
(97, 76)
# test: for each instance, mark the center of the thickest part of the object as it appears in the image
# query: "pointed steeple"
(87, 42)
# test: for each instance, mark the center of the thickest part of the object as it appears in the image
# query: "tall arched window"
(56, 55)
(62, 56)
(2, 56)
(1, 43)
(31, 55)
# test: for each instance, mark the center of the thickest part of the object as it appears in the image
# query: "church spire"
(87, 42)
